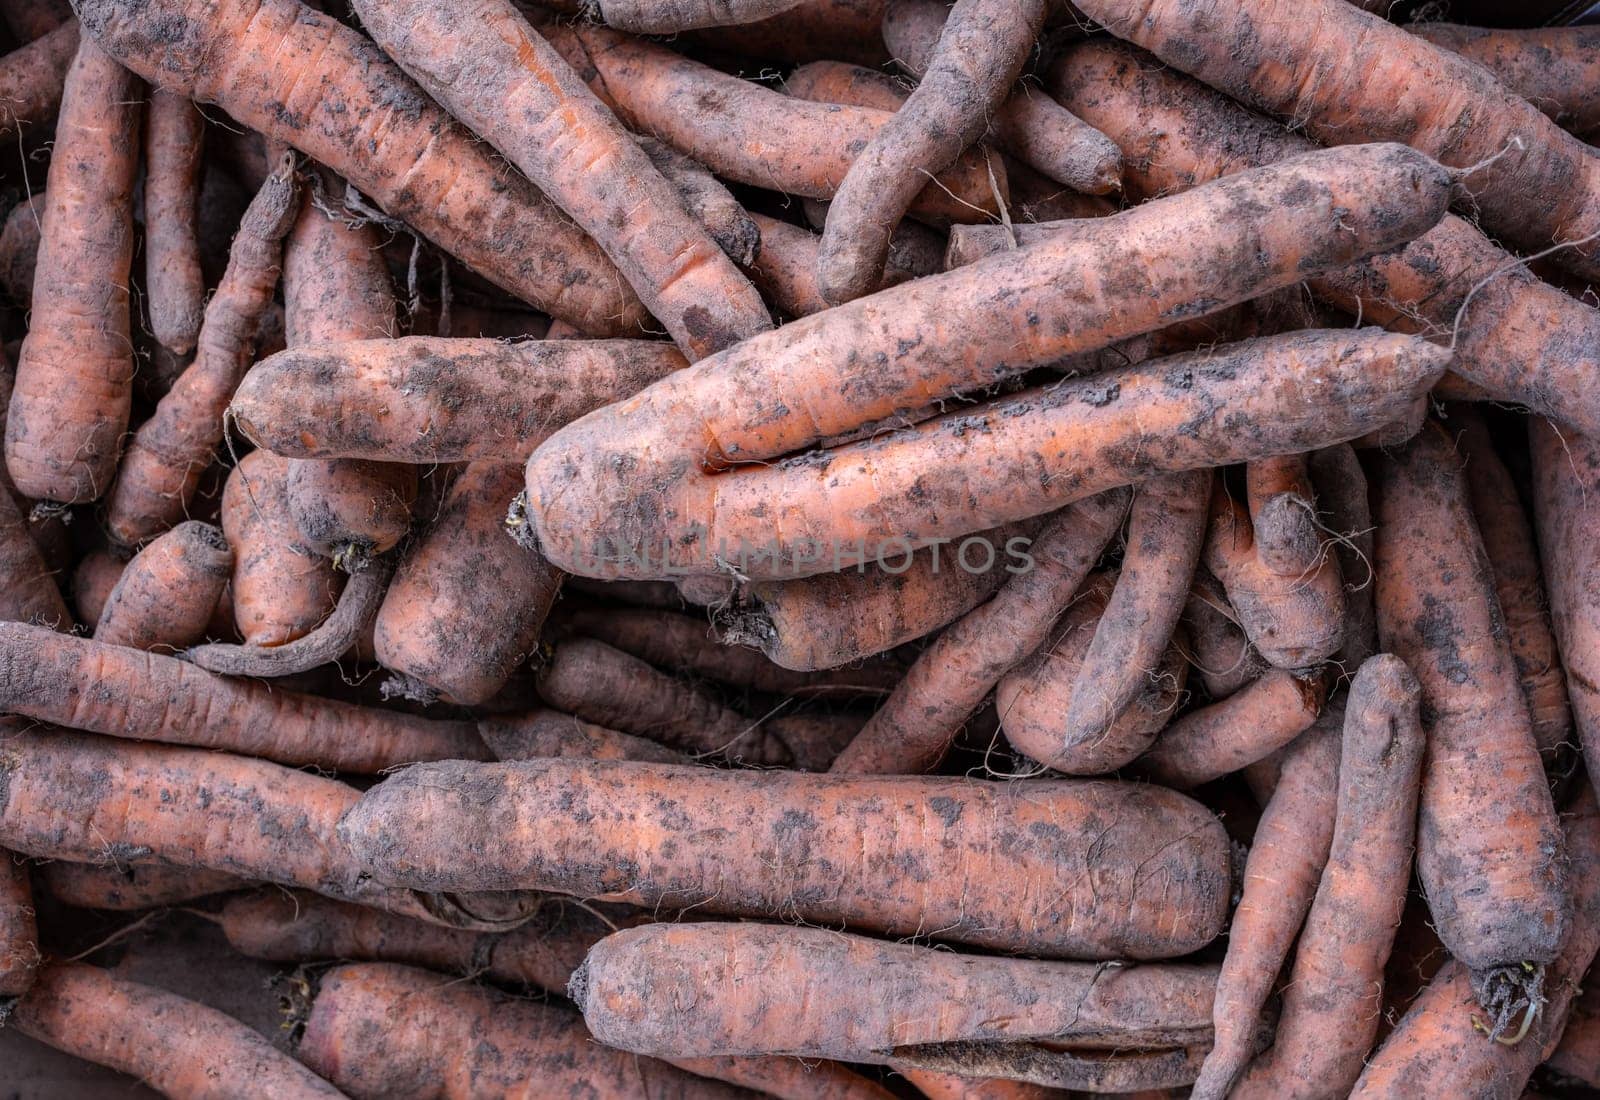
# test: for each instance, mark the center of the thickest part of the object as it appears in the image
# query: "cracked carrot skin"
(281, 588)
(780, 842)
(745, 132)
(546, 732)
(1523, 341)
(165, 597)
(32, 79)
(1334, 996)
(74, 386)
(832, 995)
(178, 1047)
(1553, 68)
(913, 729)
(1281, 876)
(132, 886)
(72, 681)
(1489, 851)
(162, 464)
(385, 1031)
(748, 405)
(486, 65)
(19, 933)
(1223, 737)
(174, 284)
(93, 800)
(303, 79)
(426, 399)
(1440, 1049)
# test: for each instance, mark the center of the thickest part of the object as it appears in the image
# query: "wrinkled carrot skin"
(1553, 68)
(1334, 995)
(161, 467)
(672, 16)
(1281, 877)
(425, 399)
(1034, 697)
(19, 247)
(1176, 133)
(1519, 586)
(19, 934)
(28, 592)
(639, 815)
(67, 681)
(545, 732)
(74, 386)
(738, 397)
(32, 79)
(178, 1047)
(915, 726)
(1440, 1048)
(465, 607)
(1345, 511)
(864, 1000)
(612, 688)
(1217, 646)
(380, 1030)
(751, 134)
(1544, 188)
(174, 284)
(281, 588)
(1488, 845)
(1219, 739)
(166, 596)
(495, 73)
(345, 100)
(131, 887)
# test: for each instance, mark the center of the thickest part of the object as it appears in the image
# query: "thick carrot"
(64, 680)
(494, 72)
(1521, 340)
(28, 592)
(545, 732)
(1027, 124)
(1340, 493)
(32, 79)
(745, 132)
(978, 56)
(74, 385)
(915, 726)
(167, 594)
(1216, 740)
(1443, 1046)
(1514, 560)
(863, 1000)
(425, 399)
(467, 603)
(1334, 996)
(1531, 183)
(1553, 68)
(778, 842)
(672, 16)
(19, 934)
(1281, 876)
(174, 137)
(1488, 846)
(381, 1030)
(1217, 646)
(131, 886)
(92, 800)
(19, 247)
(178, 1047)
(937, 321)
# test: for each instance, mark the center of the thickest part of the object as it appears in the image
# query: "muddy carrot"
(1216, 740)
(546, 732)
(132, 886)
(166, 596)
(174, 282)
(19, 933)
(32, 80)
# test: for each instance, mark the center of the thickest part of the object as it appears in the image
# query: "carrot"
(1216, 740)
(178, 1047)
(707, 201)
(1575, 1062)
(352, 109)
(788, 1078)
(426, 399)
(74, 385)
(840, 82)
(979, 54)
(1529, 181)
(19, 934)
(658, 17)
(381, 1030)
(1514, 561)
(32, 19)
(948, 1086)
(32, 80)
(174, 283)
(91, 800)
(1296, 619)
(19, 247)
(747, 133)
(574, 503)
(1443, 1044)
(1340, 490)
(844, 30)
(786, 271)
(132, 886)
(1159, 887)
(864, 1000)
(63, 679)
(1026, 124)
(1217, 646)
(494, 72)
(28, 592)
(165, 597)
(466, 604)
(1518, 340)
(1553, 68)
(1334, 996)
(1281, 876)
(1488, 847)
(96, 575)
(915, 726)
(545, 732)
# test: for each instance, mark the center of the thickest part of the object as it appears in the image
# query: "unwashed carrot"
(19, 933)
(1217, 646)
(1345, 516)
(174, 283)
(1552, 68)
(96, 575)
(166, 596)
(28, 592)
(1216, 740)
(672, 16)
(132, 886)
(19, 247)
(708, 201)
(32, 80)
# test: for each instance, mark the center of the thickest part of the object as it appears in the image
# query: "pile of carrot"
(843, 549)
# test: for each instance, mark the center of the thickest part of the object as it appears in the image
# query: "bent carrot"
(1216, 740)
(174, 283)
(167, 594)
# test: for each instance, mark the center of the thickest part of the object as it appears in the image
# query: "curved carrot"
(1223, 737)
(167, 594)
(33, 78)
(132, 886)
(545, 732)
(19, 934)
(176, 287)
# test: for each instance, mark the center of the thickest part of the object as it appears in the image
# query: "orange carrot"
(707, 201)
(92, 581)
(545, 732)
(19, 935)
(1340, 491)
(166, 596)
(132, 886)
(1216, 740)
(19, 247)
(174, 283)
(786, 270)
(1552, 68)
(1217, 646)
(28, 592)
(32, 80)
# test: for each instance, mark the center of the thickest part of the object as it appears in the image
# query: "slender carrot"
(1217, 646)
(174, 282)
(19, 247)
(166, 596)
(1216, 740)
(131, 886)
(1340, 487)
(545, 732)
